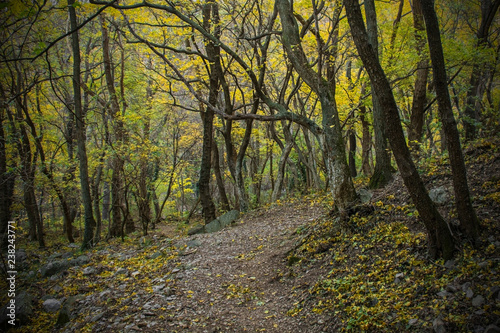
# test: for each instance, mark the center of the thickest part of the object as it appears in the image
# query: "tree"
(88, 236)
(382, 174)
(488, 11)
(441, 242)
(466, 213)
(415, 131)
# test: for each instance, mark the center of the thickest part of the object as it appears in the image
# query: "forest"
(119, 117)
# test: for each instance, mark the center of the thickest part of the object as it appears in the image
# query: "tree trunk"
(210, 20)
(472, 110)
(278, 188)
(106, 201)
(441, 242)
(382, 174)
(416, 129)
(366, 142)
(240, 183)
(96, 195)
(466, 213)
(88, 236)
(352, 153)
(218, 177)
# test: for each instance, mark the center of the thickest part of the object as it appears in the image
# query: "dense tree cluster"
(120, 113)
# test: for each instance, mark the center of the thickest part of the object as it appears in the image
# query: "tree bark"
(474, 94)
(382, 174)
(441, 242)
(366, 142)
(210, 20)
(466, 213)
(415, 132)
(352, 153)
(218, 177)
(88, 236)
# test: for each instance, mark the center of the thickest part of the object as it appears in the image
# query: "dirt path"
(233, 281)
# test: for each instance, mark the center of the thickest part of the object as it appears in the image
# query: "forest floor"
(290, 267)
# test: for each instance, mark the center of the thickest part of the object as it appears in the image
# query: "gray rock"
(55, 267)
(67, 255)
(199, 229)
(451, 288)
(21, 309)
(89, 270)
(469, 293)
(449, 264)
(51, 305)
(54, 255)
(155, 255)
(466, 286)
(213, 226)
(412, 321)
(21, 259)
(444, 293)
(492, 329)
(168, 291)
(484, 264)
(494, 292)
(121, 271)
(194, 243)
(365, 196)
(439, 195)
(478, 301)
(81, 260)
(438, 326)
(97, 317)
(73, 246)
(66, 313)
(228, 218)
(158, 288)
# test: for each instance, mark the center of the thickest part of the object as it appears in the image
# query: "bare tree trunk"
(466, 213)
(352, 152)
(88, 236)
(278, 188)
(210, 20)
(218, 177)
(441, 242)
(366, 143)
(382, 174)
(415, 132)
(474, 94)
